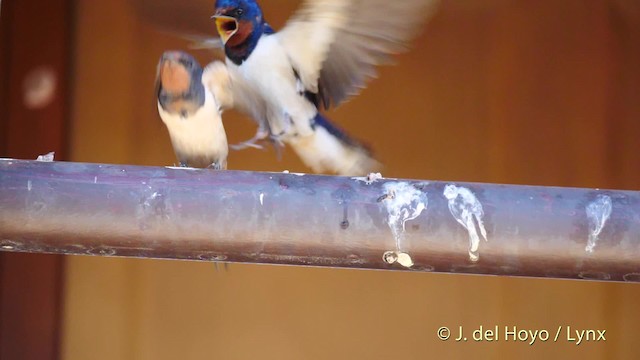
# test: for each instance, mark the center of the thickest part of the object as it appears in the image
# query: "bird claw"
(277, 140)
(247, 144)
(260, 136)
(216, 166)
(263, 134)
(278, 145)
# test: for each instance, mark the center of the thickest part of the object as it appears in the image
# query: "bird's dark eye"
(239, 12)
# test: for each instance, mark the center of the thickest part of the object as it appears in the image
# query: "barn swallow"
(191, 112)
(324, 55)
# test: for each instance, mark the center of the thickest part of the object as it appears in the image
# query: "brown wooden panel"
(30, 306)
(35, 45)
(35, 36)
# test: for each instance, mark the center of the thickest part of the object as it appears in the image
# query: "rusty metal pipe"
(278, 218)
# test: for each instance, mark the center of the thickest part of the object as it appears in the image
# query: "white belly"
(198, 140)
(269, 73)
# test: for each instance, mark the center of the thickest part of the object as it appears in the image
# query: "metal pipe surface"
(296, 219)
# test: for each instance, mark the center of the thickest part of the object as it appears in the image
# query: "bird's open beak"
(227, 26)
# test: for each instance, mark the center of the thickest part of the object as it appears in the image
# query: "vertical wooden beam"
(30, 306)
(35, 40)
(35, 51)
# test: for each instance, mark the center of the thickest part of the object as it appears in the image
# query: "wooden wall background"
(530, 92)
(35, 38)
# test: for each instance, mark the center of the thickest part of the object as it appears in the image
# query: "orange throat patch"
(174, 77)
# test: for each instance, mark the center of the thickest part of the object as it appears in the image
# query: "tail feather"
(331, 149)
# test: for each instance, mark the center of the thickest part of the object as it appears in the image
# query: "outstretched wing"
(335, 45)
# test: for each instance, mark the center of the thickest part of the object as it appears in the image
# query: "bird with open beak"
(324, 55)
(190, 110)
